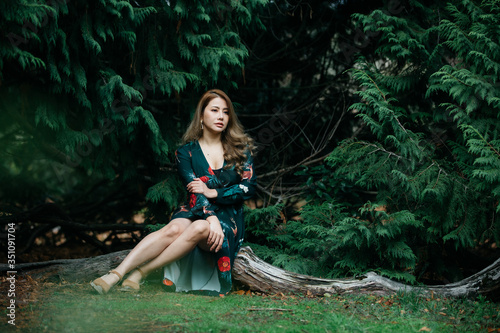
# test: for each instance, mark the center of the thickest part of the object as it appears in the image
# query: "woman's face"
(215, 116)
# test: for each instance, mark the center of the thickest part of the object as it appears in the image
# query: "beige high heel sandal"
(101, 286)
(128, 285)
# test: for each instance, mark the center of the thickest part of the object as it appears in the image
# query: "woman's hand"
(216, 235)
(197, 186)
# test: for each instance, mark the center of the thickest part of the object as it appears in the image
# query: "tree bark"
(260, 276)
(70, 270)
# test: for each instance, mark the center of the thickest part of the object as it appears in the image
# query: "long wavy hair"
(235, 141)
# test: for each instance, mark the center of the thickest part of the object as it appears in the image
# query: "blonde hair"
(235, 141)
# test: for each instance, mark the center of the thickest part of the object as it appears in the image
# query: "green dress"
(200, 271)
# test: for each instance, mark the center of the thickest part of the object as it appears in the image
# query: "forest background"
(376, 124)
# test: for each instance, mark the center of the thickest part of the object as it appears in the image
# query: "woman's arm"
(245, 190)
(199, 205)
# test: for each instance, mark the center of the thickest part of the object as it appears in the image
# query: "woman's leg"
(196, 232)
(153, 244)
(148, 248)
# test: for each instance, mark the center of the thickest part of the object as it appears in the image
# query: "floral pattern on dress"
(224, 264)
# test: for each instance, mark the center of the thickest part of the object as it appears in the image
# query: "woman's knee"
(173, 229)
(200, 229)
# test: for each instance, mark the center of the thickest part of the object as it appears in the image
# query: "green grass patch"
(77, 308)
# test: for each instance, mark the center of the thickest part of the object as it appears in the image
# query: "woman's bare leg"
(153, 244)
(196, 232)
(148, 248)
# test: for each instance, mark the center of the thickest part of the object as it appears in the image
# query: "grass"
(67, 307)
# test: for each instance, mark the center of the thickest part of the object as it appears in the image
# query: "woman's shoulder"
(188, 146)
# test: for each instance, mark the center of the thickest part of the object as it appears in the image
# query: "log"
(70, 270)
(260, 276)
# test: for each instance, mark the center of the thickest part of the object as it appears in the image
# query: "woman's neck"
(210, 139)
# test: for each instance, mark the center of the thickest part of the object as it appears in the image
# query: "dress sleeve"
(199, 205)
(245, 190)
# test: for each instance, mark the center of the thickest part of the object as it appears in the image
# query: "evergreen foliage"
(94, 91)
(94, 96)
(419, 187)
(436, 82)
(271, 241)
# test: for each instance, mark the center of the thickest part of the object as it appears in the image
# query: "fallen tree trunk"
(261, 276)
(70, 270)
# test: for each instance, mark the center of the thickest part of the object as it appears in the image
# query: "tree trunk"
(71, 270)
(260, 276)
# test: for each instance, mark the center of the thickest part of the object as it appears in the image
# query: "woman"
(198, 246)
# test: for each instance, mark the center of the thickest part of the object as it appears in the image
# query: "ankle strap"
(140, 271)
(117, 274)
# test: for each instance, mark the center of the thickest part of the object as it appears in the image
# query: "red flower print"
(167, 282)
(206, 211)
(224, 264)
(247, 174)
(210, 171)
(204, 179)
(192, 200)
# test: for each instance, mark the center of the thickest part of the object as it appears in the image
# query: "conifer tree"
(95, 96)
(430, 101)
(414, 193)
